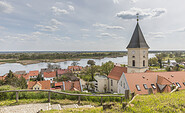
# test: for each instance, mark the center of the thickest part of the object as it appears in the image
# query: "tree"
(91, 71)
(74, 63)
(91, 62)
(40, 78)
(153, 61)
(168, 68)
(168, 62)
(107, 67)
(22, 83)
(54, 66)
(171, 55)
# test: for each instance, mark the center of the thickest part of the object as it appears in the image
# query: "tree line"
(66, 55)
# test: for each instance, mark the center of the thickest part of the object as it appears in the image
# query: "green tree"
(91, 71)
(74, 63)
(168, 62)
(91, 62)
(107, 67)
(22, 83)
(153, 61)
(40, 78)
(168, 68)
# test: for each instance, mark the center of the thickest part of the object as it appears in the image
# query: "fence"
(79, 95)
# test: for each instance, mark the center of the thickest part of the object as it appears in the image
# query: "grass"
(32, 101)
(155, 103)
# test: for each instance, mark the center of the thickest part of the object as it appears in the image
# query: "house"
(20, 72)
(69, 86)
(45, 70)
(75, 69)
(102, 83)
(38, 85)
(26, 76)
(3, 77)
(158, 81)
(114, 77)
(61, 72)
(49, 75)
(33, 74)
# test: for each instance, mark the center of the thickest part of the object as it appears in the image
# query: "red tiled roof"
(75, 68)
(69, 86)
(148, 71)
(134, 79)
(45, 84)
(59, 84)
(33, 73)
(116, 72)
(63, 71)
(49, 74)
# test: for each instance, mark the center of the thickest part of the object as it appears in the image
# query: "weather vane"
(137, 17)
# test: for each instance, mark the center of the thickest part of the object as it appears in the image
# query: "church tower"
(137, 52)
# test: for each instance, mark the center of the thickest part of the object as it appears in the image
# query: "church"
(136, 77)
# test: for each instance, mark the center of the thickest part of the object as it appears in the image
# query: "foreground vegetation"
(155, 103)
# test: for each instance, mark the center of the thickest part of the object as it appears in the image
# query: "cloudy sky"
(93, 25)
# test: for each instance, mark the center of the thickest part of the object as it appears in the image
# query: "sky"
(90, 25)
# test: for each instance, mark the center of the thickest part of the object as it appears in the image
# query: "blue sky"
(93, 25)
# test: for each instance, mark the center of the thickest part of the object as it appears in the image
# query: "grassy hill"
(158, 103)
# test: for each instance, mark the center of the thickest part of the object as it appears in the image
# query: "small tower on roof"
(137, 51)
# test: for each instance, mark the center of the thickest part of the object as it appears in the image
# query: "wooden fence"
(72, 94)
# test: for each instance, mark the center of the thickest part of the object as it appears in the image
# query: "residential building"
(49, 75)
(38, 85)
(20, 72)
(75, 69)
(114, 77)
(61, 72)
(102, 83)
(69, 86)
(33, 74)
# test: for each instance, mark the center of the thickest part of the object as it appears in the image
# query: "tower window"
(153, 86)
(133, 62)
(133, 56)
(145, 86)
(143, 62)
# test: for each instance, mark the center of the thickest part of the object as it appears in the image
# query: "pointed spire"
(137, 17)
(137, 40)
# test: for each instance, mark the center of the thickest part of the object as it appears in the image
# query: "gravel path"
(34, 108)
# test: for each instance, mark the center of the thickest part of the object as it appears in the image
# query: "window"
(138, 88)
(178, 84)
(145, 86)
(133, 62)
(143, 56)
(153, 86)
(121, 83)
(133, 56)
(111, 90)
(124, 85)
(111, 83)
(184, 83)
(143, 62)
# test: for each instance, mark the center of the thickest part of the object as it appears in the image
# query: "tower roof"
(138, 40)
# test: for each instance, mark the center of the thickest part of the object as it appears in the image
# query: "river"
(4, 68)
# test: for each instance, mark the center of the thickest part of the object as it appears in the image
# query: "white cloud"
(58, 11)
(134, 1)
(111, 35)
(56, 22)
(47, 27)
(107, 26)
(116, 1)
(143, 13)
(71, 7)
(156, 35)
(62, 38)
(5, 7)
(29, 5)
(179, 30)
(84, 30)
(53, 26)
